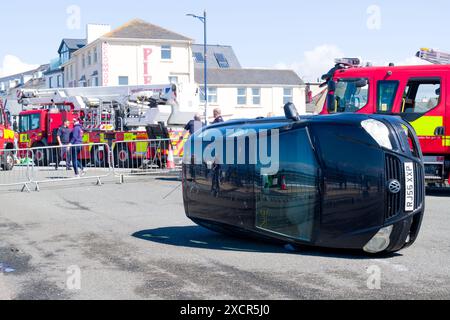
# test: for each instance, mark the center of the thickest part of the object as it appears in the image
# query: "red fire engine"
(108, 114)
(418, 94)
(7, 141)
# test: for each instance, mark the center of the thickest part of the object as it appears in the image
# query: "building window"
(50, 82)
(212, 94)
(166, 52)
(95, 81)
(83, 61)
(242, 96)
(256, 93)
(123, 81)
(89, 58)
(222, 61)
(199, 58)
(95, 55)
(59, 84)
(288, 95)
(173, 80)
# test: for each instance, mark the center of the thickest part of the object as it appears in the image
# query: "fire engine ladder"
(434, 56)
(101, 117)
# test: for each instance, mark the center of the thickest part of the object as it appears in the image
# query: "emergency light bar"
(351, 62)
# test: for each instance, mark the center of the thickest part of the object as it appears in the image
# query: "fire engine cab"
(108, 115)
(418, 94)
(7, 141)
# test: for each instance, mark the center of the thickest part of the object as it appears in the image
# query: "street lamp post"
(205, 54)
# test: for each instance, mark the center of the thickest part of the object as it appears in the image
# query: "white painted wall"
(271, 102)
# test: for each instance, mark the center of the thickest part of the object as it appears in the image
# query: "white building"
(139, 53)
(242, 93)
(136, 53)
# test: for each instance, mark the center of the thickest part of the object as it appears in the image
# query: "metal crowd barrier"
(127, 159)
(57, 163)
(15, 168)
(146, 157)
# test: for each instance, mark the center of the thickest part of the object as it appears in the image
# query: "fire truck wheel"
(40, 155)
(8, 161)
(122, 157)
(99, 157)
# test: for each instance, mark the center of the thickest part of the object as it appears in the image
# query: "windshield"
(29, 122)
(351, 95)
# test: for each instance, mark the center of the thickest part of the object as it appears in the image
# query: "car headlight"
(379, 132)
(380, 241)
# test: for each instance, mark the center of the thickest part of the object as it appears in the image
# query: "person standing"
(193, 126)
(76, 139)
(63, 139)
(218, 116)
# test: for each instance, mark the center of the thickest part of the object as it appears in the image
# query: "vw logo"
(394, 186)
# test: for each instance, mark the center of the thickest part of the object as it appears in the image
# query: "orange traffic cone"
(283, 184)
(170, 159)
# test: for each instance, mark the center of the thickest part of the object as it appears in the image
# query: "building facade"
(140, 53)
(136, 53)
(242, 93)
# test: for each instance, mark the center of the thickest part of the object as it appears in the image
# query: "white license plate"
(410, 187)
(101, 148)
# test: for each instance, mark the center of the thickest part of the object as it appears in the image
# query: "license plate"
(410, 187)
(101, 148)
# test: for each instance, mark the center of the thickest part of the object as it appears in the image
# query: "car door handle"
(440, 131)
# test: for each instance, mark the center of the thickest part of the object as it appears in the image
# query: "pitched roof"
(72, 44)
(139, 29)
(249, 77)
(227, 51)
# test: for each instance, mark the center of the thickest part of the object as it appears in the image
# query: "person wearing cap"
(76, 139)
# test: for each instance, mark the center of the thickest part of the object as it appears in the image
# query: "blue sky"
(263, 33)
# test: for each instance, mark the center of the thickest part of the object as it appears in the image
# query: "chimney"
(95, 31)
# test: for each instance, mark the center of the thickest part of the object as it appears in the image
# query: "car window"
(351, 95)
(35, 121)
(421, 95)
(387, 91)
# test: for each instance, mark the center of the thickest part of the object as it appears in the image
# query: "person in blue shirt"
(63, 138)
(76, 139)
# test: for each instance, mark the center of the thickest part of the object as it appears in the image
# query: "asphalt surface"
(133, 241)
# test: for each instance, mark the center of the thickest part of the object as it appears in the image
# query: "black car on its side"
(344, 181)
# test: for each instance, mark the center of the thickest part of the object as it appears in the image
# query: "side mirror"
(291, 112)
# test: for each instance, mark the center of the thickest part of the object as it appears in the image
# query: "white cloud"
(315, 62)
(13, 65)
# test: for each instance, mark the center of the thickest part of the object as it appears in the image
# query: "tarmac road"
(133, 241)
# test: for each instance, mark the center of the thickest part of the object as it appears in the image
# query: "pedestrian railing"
(52, 164)
(15, 168)
(69, 163)
(146, 157)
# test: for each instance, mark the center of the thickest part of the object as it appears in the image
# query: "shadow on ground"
(201, 238)
(438, 192)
